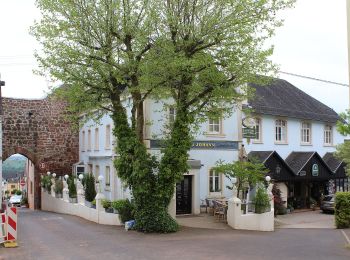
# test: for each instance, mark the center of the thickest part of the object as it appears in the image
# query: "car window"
(328, 198)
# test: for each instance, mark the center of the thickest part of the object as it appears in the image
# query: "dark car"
(327, 205)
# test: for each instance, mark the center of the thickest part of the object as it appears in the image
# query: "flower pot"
(115, 211)
(73, 200)
(109, 210)
(88, 204)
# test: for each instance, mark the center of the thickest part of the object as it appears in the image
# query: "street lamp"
(66, 177)
(54, 175)
(48, 173)
(81, 176)
(268, 178)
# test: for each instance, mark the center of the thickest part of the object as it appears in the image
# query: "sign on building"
(249, 133)
(315, 170)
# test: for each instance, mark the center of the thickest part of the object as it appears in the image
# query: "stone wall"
(38, 130)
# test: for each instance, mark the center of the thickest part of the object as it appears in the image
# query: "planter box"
(73, 200)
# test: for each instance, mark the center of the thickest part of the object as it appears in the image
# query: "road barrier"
(8, 232)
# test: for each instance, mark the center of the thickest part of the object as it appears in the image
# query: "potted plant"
(46, 183)
(107, 205)
(58, 188)
(93, 203)
(261, 201)
(89, 189)
(72, 190)
(313, 203)
(24, 202)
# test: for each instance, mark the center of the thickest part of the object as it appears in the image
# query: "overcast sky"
(312, 42)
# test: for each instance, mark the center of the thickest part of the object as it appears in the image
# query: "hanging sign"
(249, 133)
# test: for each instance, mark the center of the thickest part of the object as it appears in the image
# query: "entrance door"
(184, 196)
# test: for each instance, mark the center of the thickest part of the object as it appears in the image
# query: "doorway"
(184, 196)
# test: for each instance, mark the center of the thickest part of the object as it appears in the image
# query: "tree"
(199, 53)
(343, 150)
(246, 173)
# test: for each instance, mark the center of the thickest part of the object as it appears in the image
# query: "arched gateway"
(38, 130)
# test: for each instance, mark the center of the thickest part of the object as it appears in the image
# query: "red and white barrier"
(3, 228)
(12, 224)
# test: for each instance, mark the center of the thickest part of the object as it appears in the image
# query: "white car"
(15, 200)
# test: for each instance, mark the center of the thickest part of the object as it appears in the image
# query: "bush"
(71, 187)
(261, 201)
(89, 187)
(58, 186)
(46, 183)
(24, 201)
(125, 209)
(18, 192)
(106, 203)
(342, 209)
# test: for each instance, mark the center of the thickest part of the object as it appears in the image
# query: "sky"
(312, 42)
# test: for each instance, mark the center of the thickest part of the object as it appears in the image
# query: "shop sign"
(249, 133)
(202, 145)
(315, 169)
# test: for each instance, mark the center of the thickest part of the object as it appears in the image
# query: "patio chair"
(220, 210)
(203, 205)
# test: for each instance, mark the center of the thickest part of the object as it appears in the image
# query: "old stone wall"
(38, 130)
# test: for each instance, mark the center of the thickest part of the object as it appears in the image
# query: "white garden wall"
(50, 203)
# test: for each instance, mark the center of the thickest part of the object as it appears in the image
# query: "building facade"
(286, 120)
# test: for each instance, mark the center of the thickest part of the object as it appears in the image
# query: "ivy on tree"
(198, 54)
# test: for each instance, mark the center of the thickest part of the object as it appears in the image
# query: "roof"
(332, 162)
(297, 160)
(262, 156)
(280, 98)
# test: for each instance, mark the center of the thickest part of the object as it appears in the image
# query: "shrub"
(278, 202)
(58, 186)
(18, 192)
(342, 209)
(125, 209)
(24, 201)
(261, 201)
(89, 187)
(106, 203)
(46, 183)
(71, 187)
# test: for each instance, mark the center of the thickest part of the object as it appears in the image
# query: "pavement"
(306, 219)
(46, 235)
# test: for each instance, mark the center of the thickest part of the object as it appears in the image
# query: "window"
(257, 128)
(97, 143)
(108, 137)
(305, 133)
(83, 141)
(97, 172)
(328, 135)
(172, 114)
(281, 131)
(214, 181)
(214, 126)
(89, 140)
(108, 176)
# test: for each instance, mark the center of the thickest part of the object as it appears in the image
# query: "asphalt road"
(44, 235)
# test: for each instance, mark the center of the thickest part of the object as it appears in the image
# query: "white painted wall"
(294, 138)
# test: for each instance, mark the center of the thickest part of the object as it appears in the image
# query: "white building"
(287, 120)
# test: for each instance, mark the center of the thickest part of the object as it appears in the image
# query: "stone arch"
(39, 130)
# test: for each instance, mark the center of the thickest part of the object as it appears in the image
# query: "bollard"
(11, 240)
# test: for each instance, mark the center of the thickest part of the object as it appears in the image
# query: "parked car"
(15, 200)
(327, 205)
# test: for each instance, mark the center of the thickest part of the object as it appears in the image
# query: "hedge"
(342, 209)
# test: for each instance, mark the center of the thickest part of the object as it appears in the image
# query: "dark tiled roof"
(262, 156)
(297, 160)
(280, 98)
(332, 162)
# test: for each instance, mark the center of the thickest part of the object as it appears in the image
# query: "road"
(45, 235)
